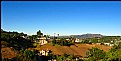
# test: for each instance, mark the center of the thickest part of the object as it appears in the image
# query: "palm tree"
(58, 35)
(54, 35)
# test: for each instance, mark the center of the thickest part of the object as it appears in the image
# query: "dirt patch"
(77, 49)
(8, 52)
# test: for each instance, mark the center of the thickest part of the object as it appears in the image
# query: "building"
(109, 44)
(42, 40)
(78, 40)
(67, 39)
(25, 37)
(44, 52)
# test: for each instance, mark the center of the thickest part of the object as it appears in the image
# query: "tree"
(54, 42)
(39, 33)
(114, 53)
(34, 37)
(62, 43)
(45, 35)
(58, 34)
(50, 54)
(96, 54)
(26, 55)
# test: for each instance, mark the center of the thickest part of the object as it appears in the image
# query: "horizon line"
(60, 34)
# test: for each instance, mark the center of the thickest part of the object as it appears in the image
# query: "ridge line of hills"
(83, 36)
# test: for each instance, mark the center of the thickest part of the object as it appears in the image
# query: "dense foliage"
(62, 42)
(96, 54)
(15, 40)
(115, 53)
(26, 55)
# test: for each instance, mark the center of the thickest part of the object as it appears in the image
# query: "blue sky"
(63, 17)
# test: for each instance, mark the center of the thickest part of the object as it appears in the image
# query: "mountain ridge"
(83, 36)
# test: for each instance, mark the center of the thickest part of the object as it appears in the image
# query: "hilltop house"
(25, 37)
(42, 40)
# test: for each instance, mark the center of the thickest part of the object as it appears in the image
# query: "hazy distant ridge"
(87, 35)
(84, 36)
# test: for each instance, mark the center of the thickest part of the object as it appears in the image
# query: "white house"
(108, 44)
(67, 39)
(44, 52)
(77, 40)
(26, 37)
(42, 40)
(111, 44)
(112, 41)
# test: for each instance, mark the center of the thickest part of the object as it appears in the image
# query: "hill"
(87, 35)
(82, 36)
(77, 49)
(8, 52)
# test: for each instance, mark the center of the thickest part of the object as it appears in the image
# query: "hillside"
(8, 52)
(77, 49)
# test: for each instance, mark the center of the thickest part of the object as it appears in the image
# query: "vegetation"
(39, 34)
(104, 39)
(62, 42)
(17, 42)
(26, 55)
(96, 54)
(115, 53)
(65, 57)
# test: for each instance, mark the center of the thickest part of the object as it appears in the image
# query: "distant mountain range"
(87, 35)
(83, 36)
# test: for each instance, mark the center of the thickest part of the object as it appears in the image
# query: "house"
(78, 40)
(25, 37)
(67, 39)
(112, 41)
(44, 52)
(22, 36)
(42, 40)
(109, 44)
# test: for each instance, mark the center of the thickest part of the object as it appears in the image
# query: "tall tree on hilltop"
(39, 33)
